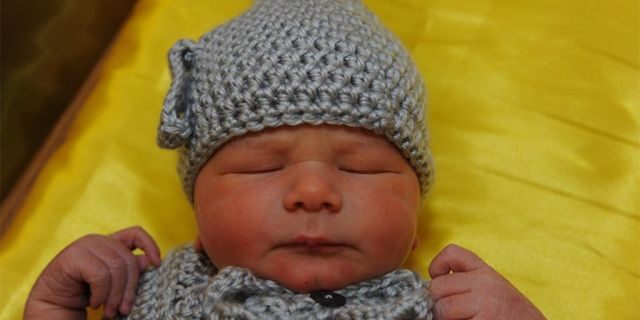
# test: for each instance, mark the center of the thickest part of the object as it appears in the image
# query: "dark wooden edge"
(20, 191)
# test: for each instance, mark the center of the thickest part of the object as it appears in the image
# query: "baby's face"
(310, 207)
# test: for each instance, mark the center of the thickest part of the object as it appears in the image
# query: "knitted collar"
(187, 286)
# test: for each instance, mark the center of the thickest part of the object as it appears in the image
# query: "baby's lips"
(315, 244)
(313, 241)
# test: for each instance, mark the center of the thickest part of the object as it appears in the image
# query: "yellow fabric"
(535, 125)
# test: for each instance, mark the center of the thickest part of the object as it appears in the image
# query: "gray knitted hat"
(288, 62)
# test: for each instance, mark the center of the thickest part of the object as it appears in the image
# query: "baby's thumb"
(137, 238)
(454, 259)
(143, 262)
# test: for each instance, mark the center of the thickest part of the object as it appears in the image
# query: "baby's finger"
(136, 237)
(94, 272)
(459, 306)
(118, 272)
(456, 259)
(143, 262)
(129, 294)
(451, 284)
(132, 274)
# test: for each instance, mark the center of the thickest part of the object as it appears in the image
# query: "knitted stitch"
(288, 62)
(187, 286)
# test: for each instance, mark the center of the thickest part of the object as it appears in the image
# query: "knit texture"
(187, 286)
(289, 62)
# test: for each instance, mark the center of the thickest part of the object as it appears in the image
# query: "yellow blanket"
(534, 113)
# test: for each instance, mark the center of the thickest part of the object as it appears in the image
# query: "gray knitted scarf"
(187, 286)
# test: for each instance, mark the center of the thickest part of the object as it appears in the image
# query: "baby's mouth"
(314, 245)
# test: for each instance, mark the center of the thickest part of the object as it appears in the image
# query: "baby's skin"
(311, 207)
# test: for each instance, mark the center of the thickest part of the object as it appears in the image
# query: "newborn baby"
(304, 152)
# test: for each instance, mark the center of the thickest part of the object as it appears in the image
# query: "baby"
(304, 151)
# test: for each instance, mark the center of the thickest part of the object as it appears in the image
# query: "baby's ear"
(416, 242)
(176, 122)
(197, 245)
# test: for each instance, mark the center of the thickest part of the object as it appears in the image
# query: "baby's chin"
(304, 283)
(304, 278)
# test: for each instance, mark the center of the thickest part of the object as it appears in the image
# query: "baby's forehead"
(336, 136)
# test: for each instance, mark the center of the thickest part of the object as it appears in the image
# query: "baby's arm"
(474, 290)
(94, 270)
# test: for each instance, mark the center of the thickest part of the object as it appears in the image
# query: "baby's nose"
(312, 189)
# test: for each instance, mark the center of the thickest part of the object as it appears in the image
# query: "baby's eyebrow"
(278, 144)
(258, 143)
(357, 144)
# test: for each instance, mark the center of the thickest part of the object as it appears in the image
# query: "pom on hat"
(176, 122)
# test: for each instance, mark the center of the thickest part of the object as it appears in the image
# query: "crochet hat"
(289, 62)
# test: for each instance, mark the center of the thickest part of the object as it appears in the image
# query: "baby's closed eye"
(367, 166)
(365, 170)
(254, 168)
(259, 170)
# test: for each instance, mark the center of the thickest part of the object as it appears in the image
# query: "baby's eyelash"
(258, 171)
(361, 171)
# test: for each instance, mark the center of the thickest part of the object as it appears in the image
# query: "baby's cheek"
(225, 235)
(391, 227)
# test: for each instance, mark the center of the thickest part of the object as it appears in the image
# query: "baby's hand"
(474, 290)
(94, 270)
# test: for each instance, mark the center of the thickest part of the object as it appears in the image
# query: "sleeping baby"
(304, 151)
